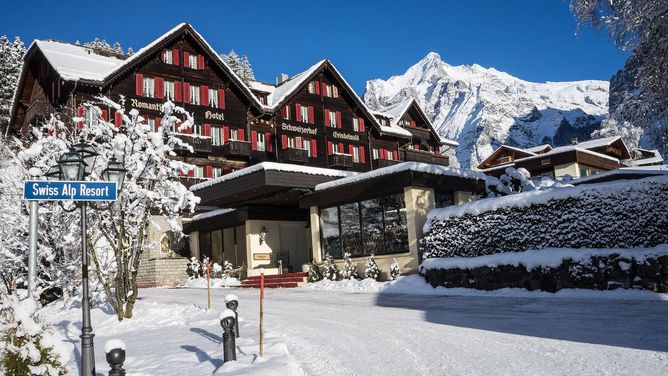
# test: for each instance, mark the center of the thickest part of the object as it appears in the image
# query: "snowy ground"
(326, 329)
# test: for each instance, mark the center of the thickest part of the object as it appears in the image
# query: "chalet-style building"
(581, 159)
(288, 171)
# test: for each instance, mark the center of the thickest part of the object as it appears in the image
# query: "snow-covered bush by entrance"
(329, 270)
(620, 214)
(371, 270)
(27, 345)
(348, 270)
(394, 270)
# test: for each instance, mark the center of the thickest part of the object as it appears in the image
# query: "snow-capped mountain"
(481, 107)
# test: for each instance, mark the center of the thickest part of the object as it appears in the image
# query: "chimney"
(281, 78)
(574, 141)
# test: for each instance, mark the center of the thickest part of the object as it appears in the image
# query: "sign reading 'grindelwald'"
(69, 190)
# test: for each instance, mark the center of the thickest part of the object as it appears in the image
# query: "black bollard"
(115, 351)
(227, 321)
(232, 302)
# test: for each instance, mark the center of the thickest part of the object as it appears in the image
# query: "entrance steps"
(288, 280)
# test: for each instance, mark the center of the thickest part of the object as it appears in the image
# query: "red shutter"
(317, 87)
(209, 171)
(327, 122)
(191, 173)
(413, 123)
(324, 89)
(350, 149)
(186, 59)
(298, 112)
(118, 119)
(254, 140)
(314, 147)
(362, 154)
(284, 142)
(361, 125)
(335, 91)
(299, 143)
(267, 142)
(177, 91)
(186, 92)
(221, 98)
(396, 155)
(175, 56)
(338, 120)
(139, 84)
(381, 153)
(200, 62)
(437, 152)
(416, 146)
(207, 130)
(226, 134)
(159, 88)
(311, 117)
(105, 115)
(330, 148)
(341, 148)
(204, 95)
(242, 135)
(81, 112)
(284, 112)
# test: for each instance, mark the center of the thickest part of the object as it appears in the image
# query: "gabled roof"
(540, 148)
(396, 112)
(498, 151)
(284, 91)
(653, 157)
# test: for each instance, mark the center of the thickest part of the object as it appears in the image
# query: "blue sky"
(530, 39)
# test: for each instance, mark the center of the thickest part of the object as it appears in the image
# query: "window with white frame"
(213, 98)
(216, 136)
(168, 90)
(194, 94)
(192, 61)
(199, 172)
(375, 153)
(311, 87)
(291, 143)
(306, 145)
(148, 87)
(234, 134)
(332, 119)
(384, 122)
(304, 111)
(356, 155)
(91, 117)
(167, 57)
(152, 124)
(198, 129)
(390, 155)
(217, 172)
(328, 90)
(260, 142)
(356, 124)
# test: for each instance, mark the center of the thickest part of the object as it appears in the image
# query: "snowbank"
(201, 283)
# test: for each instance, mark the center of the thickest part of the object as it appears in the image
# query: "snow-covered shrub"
(329, 269)
(514, 181)
(195, 268)
(620, 214)
(348, 270)
(314, 272)
(394, 270)
(371, 270)
(225, 271)
(27, 345)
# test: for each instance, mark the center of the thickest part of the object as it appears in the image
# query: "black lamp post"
(75, 165)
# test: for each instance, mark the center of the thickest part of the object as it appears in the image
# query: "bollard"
(115, 350)
(232, 302)
(227, 321)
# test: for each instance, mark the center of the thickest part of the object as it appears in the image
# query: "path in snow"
(342, 333)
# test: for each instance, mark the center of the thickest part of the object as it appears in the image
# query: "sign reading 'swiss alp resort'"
(69, 190)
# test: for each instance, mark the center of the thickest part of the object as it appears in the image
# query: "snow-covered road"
(343, 333)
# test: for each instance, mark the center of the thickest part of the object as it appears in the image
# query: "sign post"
(261, 307)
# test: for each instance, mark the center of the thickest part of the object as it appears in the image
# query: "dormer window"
(168, 57)
(192, 61)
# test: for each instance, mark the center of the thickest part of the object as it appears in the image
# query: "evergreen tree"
(240, 65)
(11, 60)
(314, 272)
(394, 270)
(349, 270)
(371, 270)
(233, 61)
(329, 270)
(246, 70)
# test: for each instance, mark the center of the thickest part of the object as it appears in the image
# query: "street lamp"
(75, 165)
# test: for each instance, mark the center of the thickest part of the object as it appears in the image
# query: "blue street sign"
(48, 190)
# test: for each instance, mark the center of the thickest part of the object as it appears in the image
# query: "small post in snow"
(232, 302)
(208, 283)
(227, 321)
(261, 306)
(32, 238)
(115, 351)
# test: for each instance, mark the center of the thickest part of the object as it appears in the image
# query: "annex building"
(287, 172)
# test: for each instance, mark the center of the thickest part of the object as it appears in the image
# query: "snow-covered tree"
(246, 70)
(239, 65)
(233, 60)
(314, 272)
(11, 59)
(348, 270)
(195, 269)
(394, 270)
(329, 269)
(371, 269)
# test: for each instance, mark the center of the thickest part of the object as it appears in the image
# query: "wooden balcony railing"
(199, 144)
(426, 157)
(341, 160)
(295, 155)
(380, 163)
(237, 148)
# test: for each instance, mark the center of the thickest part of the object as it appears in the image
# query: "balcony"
(341, 160)
(380, 163)
(426, 157)
(236, 148)
(295, 155)
(199, 144)
(420, 133)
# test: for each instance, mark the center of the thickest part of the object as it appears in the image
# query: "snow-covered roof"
(211, 214)
(655, 159)
(261, 86)
(590, 144)
(566, 149)
(625, 171)
(539, 148)
(75, 63)
(286, 88)
(405, 166)
(395, 113)
(273, 166)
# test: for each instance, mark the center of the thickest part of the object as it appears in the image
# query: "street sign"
(54, 190)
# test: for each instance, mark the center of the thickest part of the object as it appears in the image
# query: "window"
(356, 124)
(311, 87)
(168, 90)
(396, 228)
(329, 227)
(192, 61)
(390, 155)
(148, 87)
(331, 91)
(91, 117)
(199, 172)
(306, 145)
(328, 90)
(260, 142)
(356, 155)
(332, 119)
(350, 229)
(213, 98)
(375, 154)
(194, 94)
(384, 122)
(153, 124)
(167, 57)
(404, 123)
(217, 172)
(373, 234)
(198, 129)
(304, 113)
(286, 112)
(216, 136)
(234, 134)
(443, 198)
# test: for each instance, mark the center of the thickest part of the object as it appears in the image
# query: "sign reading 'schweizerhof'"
(46, 190)
(298, 129)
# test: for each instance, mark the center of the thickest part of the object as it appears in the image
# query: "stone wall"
(159, 272)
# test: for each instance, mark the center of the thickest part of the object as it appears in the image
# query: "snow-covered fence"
(620, 214)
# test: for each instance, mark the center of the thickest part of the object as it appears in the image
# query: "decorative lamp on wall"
(263, 235)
